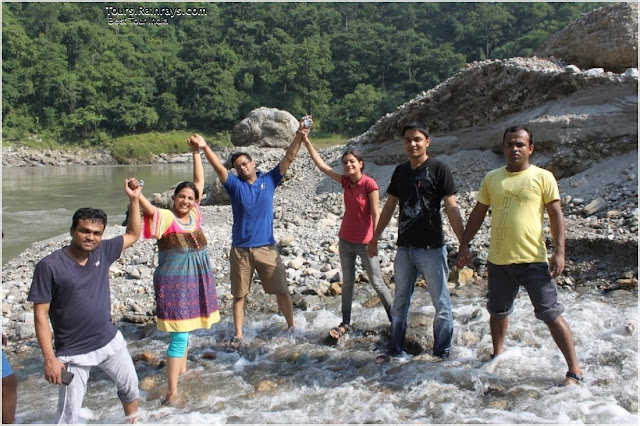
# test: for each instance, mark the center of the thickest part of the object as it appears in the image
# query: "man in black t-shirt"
(419, 186)
(70, 288)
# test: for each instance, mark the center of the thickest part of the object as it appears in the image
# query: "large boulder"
(265, 128)
(605, 38)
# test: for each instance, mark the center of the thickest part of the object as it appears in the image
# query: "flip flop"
(336, 332)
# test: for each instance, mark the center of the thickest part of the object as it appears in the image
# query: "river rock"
(597, 205)
(265, 127)
(606, 37)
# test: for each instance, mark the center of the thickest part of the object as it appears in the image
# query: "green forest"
(90, 72)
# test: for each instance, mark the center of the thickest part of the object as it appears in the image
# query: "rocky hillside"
(577, 118)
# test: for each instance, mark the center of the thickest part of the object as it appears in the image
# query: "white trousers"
(114, 359)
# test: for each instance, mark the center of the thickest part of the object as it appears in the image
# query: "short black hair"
(514, 129)
(417, 125)
(237, 155)
(88, 213)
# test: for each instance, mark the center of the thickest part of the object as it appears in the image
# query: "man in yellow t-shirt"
(518, 195)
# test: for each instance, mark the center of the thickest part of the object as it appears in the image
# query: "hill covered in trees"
(92, 71)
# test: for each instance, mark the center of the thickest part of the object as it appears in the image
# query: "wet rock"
(209, 355)
(264, 385)
(151, 382)
(469, 339)
(147, 357)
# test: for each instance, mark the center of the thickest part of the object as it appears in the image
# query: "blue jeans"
(432, 265)
(348, 253)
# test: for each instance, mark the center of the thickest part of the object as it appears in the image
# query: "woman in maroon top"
(362, 210)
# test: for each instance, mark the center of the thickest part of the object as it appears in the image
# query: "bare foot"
(171, 399)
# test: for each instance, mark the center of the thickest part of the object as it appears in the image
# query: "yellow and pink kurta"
(184, 283)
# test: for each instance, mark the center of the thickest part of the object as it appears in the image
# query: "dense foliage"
(87, 71)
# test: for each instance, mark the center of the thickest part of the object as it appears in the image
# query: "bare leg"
(9, 398)
(498, 332)
(183, 367)
(174, 365)
(561, 334)
(130, 409)
(286, 306)
(238, 314)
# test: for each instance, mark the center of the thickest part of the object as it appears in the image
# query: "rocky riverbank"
(600, 207)
(21, 156)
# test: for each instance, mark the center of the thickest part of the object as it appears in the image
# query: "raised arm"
(473, 225)
(293, 148)
(385, 218)
(556, 220)
(322, 166)
(52, 366)
(198, 171)
(134, 224)
(212, 158)
(454, 216)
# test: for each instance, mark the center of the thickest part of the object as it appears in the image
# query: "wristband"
(51, 357)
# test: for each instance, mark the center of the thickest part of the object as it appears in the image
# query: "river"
(38, 202)
(283, 379)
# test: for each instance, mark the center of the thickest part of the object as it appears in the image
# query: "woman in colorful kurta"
(184, 283)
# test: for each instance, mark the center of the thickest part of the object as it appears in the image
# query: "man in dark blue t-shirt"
(71, 288)
(420, 185)
(253, 247)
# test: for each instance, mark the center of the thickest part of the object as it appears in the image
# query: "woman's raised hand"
(132, 187)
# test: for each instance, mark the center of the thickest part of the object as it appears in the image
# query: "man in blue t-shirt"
(253, 247)
(70, 287)
(420, 186)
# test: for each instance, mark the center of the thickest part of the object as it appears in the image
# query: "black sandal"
(336, 332)
(573, 376)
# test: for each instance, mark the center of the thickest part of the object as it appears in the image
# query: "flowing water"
(278, 377)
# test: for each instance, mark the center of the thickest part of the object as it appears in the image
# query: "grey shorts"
(505, 282)
(114, 359)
